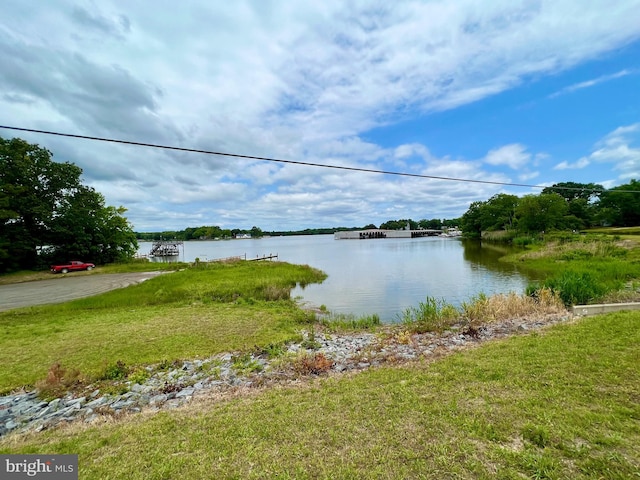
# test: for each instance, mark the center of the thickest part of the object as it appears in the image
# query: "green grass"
(583, 268)
(345, 322)
(557, 405)
(187, 314)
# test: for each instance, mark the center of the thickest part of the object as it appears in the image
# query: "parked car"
(72, 266)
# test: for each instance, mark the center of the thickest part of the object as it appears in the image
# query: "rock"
(186, 392)
(161, 398)
(11, 425)
(98, 402)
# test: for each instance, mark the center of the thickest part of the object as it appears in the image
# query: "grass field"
(559, 404)
(185, 315)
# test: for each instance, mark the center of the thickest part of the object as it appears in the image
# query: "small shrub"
(245, 364)
(310, 342)
(272, 350)
(312, 364)
(117, 371)
(58, 382)
(138, 375)
(404, 337)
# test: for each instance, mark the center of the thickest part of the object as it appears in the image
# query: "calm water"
(382, 276)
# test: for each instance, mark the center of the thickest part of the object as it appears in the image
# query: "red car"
(72, 267)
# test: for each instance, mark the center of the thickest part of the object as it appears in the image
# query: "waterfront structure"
(378, 233)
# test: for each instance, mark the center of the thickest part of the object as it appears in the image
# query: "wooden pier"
(271, 256)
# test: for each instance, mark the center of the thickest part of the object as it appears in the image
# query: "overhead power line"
(291, 162)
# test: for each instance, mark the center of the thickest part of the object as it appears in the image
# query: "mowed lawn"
(558, 404)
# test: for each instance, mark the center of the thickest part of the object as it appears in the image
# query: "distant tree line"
(199, 233)
(217, 233)
(48, 216)
(563, 206)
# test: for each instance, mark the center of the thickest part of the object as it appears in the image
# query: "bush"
(117, 371)
(573, 287)
(312, 364)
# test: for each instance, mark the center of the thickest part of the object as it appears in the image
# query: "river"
(381, 276)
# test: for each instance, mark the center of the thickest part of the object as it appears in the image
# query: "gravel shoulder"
(66, 287)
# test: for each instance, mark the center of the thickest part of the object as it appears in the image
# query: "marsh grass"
(583, 268)
(349, 322)
(558, 404)
(435, 315)
(482, 309)
(432, 315)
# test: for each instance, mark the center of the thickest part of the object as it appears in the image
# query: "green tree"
(571, 191)
(620, 206)
(539, 213)
(498, 213)
(45, 212)
(433, 224)
(470, 222)
(85, 228)
(399, 224)
(583, 200)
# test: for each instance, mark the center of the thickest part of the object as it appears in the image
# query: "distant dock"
(165, 248)
(377, 233)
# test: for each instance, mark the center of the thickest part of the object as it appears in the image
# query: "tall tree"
(45, 210)
(539, 213)
(498, 213)
(620, 206)
(571, 190)
(470, 222)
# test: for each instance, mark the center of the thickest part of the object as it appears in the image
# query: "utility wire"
(294, 162)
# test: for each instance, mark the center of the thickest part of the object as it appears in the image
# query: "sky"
(528, 92)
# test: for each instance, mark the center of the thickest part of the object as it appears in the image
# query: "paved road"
(65, 288)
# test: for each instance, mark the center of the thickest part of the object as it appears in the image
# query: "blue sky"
(529, 92)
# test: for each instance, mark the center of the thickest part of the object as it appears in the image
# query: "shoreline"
(231, 374)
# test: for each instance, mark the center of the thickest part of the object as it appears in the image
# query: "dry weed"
(312, 364)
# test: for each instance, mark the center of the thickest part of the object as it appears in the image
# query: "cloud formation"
(310, 82)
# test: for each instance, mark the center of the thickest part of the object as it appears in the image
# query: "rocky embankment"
(170, 386)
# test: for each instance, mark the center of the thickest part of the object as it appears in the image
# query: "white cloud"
(591, 83)
(581, 163)
(299, 81)
(620, 149)
(615, 149)
(514, 156)
(524, 177)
